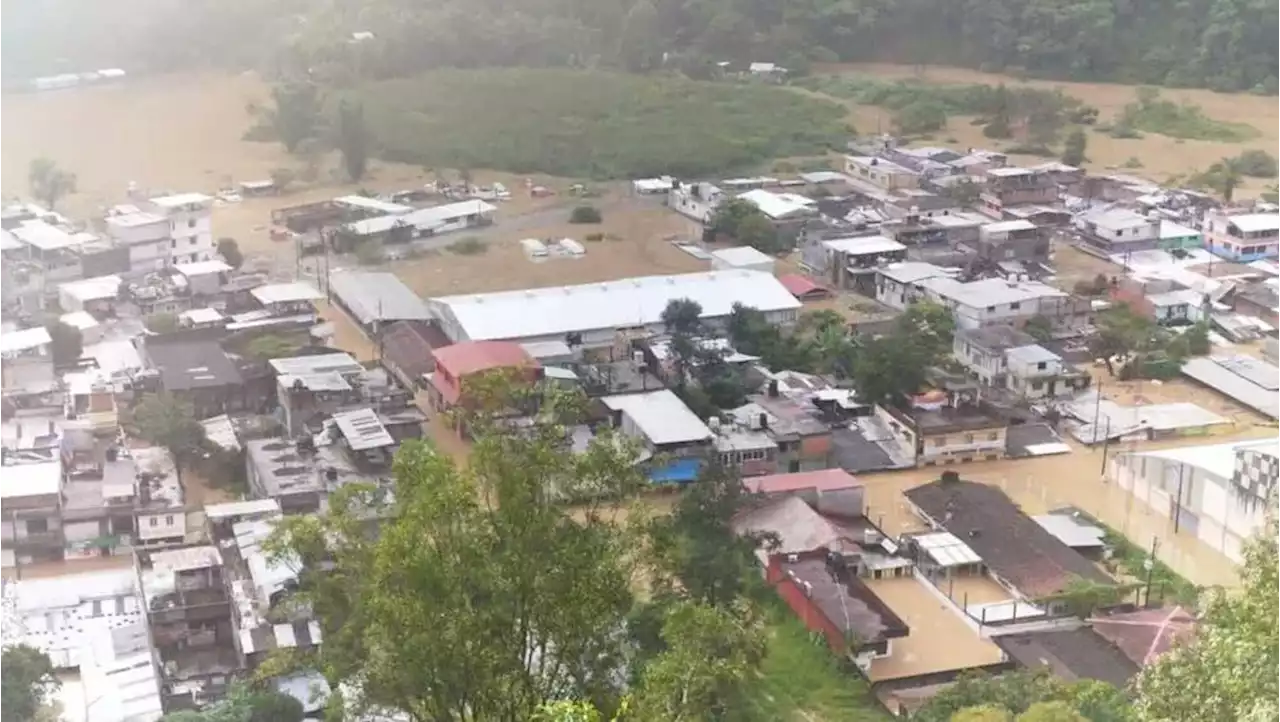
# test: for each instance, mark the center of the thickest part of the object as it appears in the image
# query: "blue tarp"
(680, 471)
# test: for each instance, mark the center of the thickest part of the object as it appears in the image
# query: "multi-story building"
(880, 172)
(146, 235)
(851, 262)
(190, 217)
(31, 520)
(1017, 240)
(1119, 230)
(1037, 373)
(1009, 187)
(188, 612)
(982, 351)
(946, 427)
(992, 301)
(1242, 236)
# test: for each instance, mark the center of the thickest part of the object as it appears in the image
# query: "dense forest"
(1227, 45)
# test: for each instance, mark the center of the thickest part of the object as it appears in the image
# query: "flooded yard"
(939, 639)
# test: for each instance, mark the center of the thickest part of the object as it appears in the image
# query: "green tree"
(229, 249)
(483, 597)
(965, 193)
(743, 222)
(269, 346)
(166, 420)
(1256, 164)
(921, 116)
(162, 322)
(696, 544)
(982, 713)
(282, 178)
(245, 704)
(1082, 596)
(1228, 670)
(27, 682)
(1074, 148)
(67, 343)
(48, 182)
(759, 232)
(712, 658)
(585, 214)
(1051, 712)
(353, 139)
(296, 114)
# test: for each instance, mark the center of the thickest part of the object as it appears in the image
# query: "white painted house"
(190, 217)
(1218, 493)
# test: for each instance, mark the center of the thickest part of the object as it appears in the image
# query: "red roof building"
(457, 362)
(802, 287)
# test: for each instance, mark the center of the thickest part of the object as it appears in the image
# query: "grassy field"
(592, 124)
(802, 681)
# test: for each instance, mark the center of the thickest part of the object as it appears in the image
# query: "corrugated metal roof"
(616, 304)
(372, 297)
(661, 416)
(947, 550)
(24, 340)
(1229, 383)
(362, 429)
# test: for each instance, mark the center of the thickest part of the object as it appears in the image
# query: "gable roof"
(1147, 633)
(802, 286)
(1012, 544)
(471, 357)
(410, 346)
(192, 365)
(1071, 654)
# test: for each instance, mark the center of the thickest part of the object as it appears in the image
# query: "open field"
(1161, 156)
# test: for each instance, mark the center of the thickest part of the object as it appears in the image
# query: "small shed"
(741, 258)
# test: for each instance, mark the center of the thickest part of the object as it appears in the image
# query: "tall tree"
(1074, 148)
(229, 249)
(27, 682)
(1228, 670)
(483, 597)
(353, 139)
(296, 114)
(166, 420)
(48, 182)
(67, 342)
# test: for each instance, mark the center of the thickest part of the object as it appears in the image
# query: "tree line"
(1226, 45)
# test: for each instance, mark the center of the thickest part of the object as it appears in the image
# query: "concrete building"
(455, 364)
(851, 263)
(1242, 237)
(945, 428)
(994, 301)
(695, 200)
(190, 217)
(596, 313)
(982, 351)
(146, 235)
(1010, 187)
(1037, 373)
(1119, 230)
(31, 527)
(743, 258)
(1016, 240)
(1219, 492)
(884, 174)
(899, 285)
(376, 299)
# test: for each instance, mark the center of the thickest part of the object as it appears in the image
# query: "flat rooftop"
(940, 641)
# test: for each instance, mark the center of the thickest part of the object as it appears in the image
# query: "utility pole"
(1149, 564)
(1177, 504)
(1106, 443)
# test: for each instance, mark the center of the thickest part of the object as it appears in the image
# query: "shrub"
(585, 214)
(1177, 120)
(1256, 164)
(469, 246)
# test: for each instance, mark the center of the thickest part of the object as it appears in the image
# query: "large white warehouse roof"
(616, 304)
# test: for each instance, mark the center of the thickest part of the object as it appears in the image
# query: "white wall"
(191, 234)
(169, 524)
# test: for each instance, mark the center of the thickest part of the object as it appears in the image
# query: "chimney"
(773, 388)
(764, 420)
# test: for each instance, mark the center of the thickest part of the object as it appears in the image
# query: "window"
(1037, 385)
(993, 436)
(191, 223)
(97, 608)
(192, 241)
(173, 243)
(1015, 306)
(155, 521)
(168, 520)
(37, 526)
(1041, 366)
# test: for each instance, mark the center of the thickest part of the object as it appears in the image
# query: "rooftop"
(410, 346)
(372, 204)
(471, 357)
(1116, 219)
(201, 268)
(134, 219)
(92, 289)
(1012, 545)
(423, 218)
(45, 237)
(81, 320)
(286, 293)
(742, 256)
(616, 304)
(995, 338)
(24, 340)
(339, 363)
(1225, 379)
(989, 292)
(1071, 531)
(848, 604)
(823, 480)
(181, 199)
(1144, 635)
(377, 296)
(1216, 459)
(31, 479)
(362, 429)
(946, 550)
(801, 286)
(948, 419)
(660, 416)
(912, 271)
(250, 507)
(864, 245)
(1009, 226)
(189, 365)
(1180, 297)
(778, 205)
(1256, 222)
(1031, 354)
(1070, 655)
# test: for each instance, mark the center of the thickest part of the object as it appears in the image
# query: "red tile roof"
(1147, 633)
(471, 356)
(801, 286)
(823, 480)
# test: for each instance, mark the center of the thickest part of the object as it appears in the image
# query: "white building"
(190, 217)
(1120, 228)
(1035, 372)
(780, 206)
(147, 237)
(599, 311)
(1219, 492)
(743, 258)
(997, 301)
(898, 285)
(695, 200)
